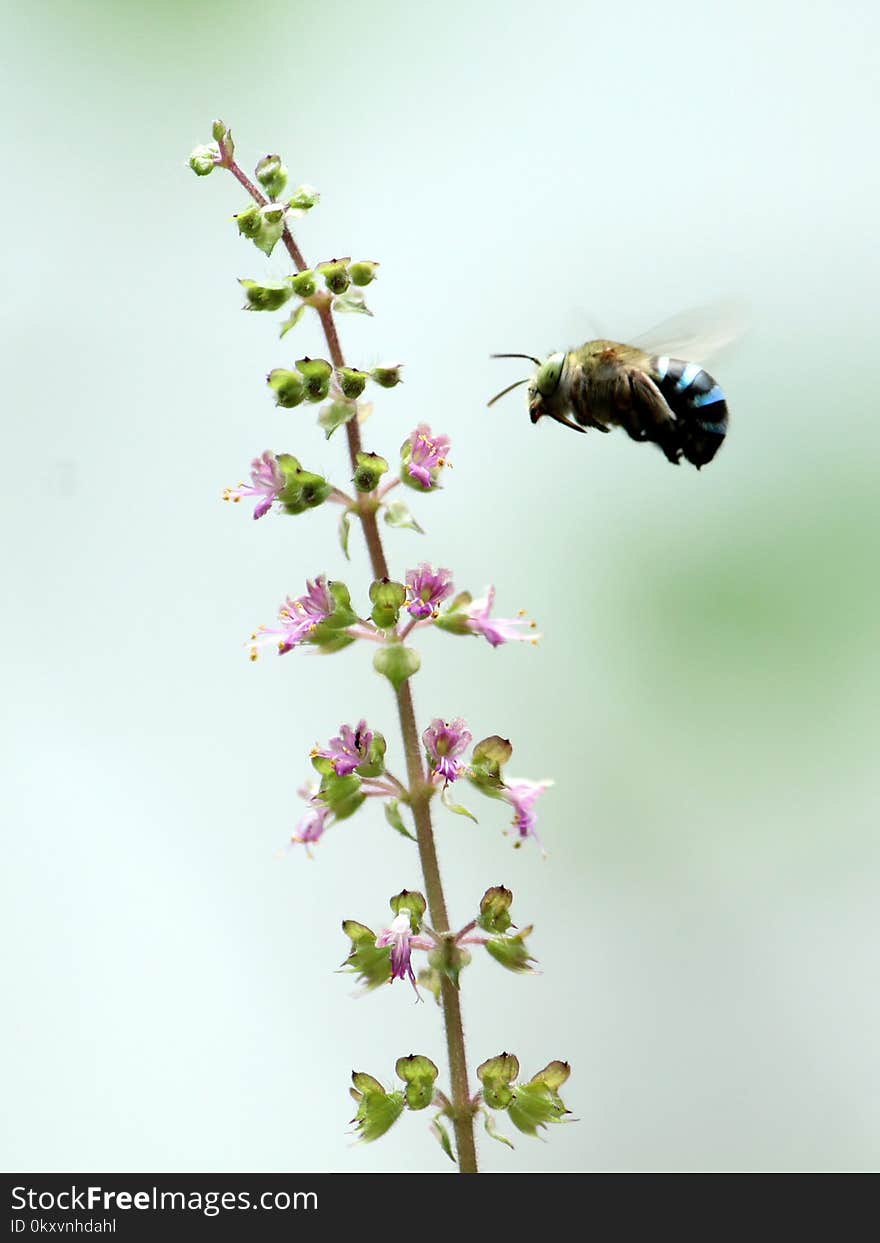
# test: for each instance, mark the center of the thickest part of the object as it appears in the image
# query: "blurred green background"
(706, 692)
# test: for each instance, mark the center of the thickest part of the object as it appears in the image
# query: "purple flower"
(298, 618)
(522, 795)
(427, 589)
(498, 630)
(400, 937)
(427, 454)
(349, 749)
(312, 824)
(444, 742)
(267, 480)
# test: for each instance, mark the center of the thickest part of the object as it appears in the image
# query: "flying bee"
(645, 390)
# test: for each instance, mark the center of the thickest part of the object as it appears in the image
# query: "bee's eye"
(548, 375)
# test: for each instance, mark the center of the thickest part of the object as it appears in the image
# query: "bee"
(645, 390)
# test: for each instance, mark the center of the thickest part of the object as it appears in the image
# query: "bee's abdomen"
(698, 404)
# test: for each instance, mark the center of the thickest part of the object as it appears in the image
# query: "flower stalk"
(351, 765)
(462, 1111)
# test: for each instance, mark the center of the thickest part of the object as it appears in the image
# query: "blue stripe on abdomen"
(688, 376)
(707, 399)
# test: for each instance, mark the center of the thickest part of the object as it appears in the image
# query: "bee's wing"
(698, 334)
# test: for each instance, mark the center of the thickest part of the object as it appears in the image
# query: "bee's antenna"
(536, 361)
(510, 387)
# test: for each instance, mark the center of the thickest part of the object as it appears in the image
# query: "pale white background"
(706, 692)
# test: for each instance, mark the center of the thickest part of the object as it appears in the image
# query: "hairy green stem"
(462, 1111)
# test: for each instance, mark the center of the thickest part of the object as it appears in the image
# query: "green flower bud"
(418, 1073)
(351, 381)
(494, 909)
(396, 663)
(489, 757)
(553, 1076)
(414, 903)
(363, 272)
(272, 213)
(343, 614)
(203, 160)
(265, 297)
(369, 470)
(223, 137)
(511, 951)
(249, 221)
(535, 1104)
(304, 284)
(303, 200)
(496, 1075)
(454, 619)
(335, 274)
(388, 376)
(263, 225)
(272, 175)
(388, 598)
(369, 962)
(288, 387)
(377, 1109)
(303, 491)
(316, 373)
(341, 794)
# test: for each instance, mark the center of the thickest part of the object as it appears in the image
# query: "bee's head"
(542, 384)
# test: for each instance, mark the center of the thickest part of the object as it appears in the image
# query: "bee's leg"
(650, 418)
(559, 417)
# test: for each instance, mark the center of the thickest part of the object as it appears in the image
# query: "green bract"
(449, 959)
(377, 1109)
(535, 1104)
(397, 514)
(511, 951)
(396, 663)
(351, 302)
(369, 962)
